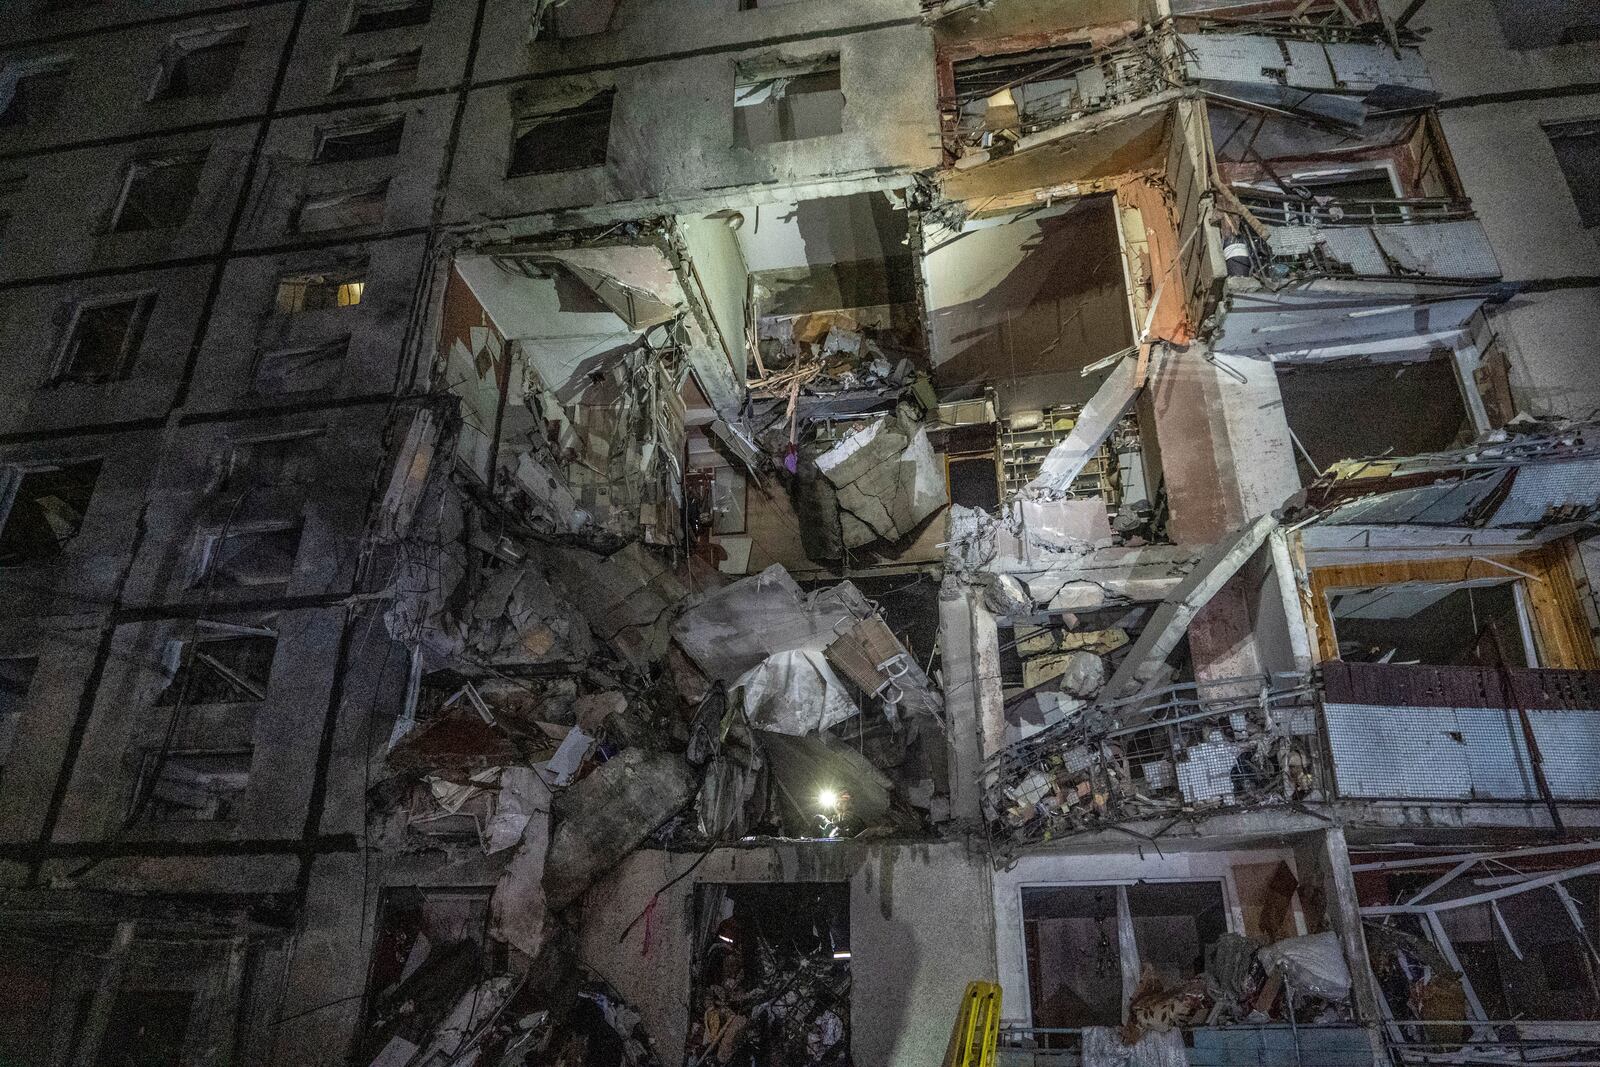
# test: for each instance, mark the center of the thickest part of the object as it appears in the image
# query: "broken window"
(300, 370)
(1435, 623)
(570, 139)
(147, 1027)
(1577, 148)
(104, 339)
(771, 974)
(223, 664)
(370, 15)
(1083, 943)
(157, 193)
(788, 104)
(576, 18)
(321, 291)
(270, 461)
(1532, 24)
(187, 786)
(199, 64)
(1407, 408)
(16, 676)
(342, 211)
(376, 75)
(251, 557)
(366, 140)
(973, 481)
(45, 510)
(30, 90)
(429, 945)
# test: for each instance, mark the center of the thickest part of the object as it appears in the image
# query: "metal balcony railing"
(1284, 210)
(1241, 1045)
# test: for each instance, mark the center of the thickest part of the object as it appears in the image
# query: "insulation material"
(794, 692)
(1312, 964)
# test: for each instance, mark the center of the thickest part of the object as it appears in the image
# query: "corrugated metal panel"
(1460, 753)
(1538, 488)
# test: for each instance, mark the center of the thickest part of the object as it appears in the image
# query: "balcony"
(1393, 238)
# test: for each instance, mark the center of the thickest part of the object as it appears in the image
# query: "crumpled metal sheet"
(795, 692)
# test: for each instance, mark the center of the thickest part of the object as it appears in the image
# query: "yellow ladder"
(976, 1038)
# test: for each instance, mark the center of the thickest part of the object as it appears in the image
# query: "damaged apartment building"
(623, 532)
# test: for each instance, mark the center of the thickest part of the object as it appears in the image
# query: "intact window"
(300, 370)
(104, 339)
(1532, 24)
(321, 291)
(192, 787)
(367, 140)
(157, 193)
(774, 106)
(369, 15)
(242, 558)
(570, 139)
(199, 64)
(31, 89)
(16, 676)
(45, 511)
(222, 669)
(1577, 148)
(342, 211)
(375, 75)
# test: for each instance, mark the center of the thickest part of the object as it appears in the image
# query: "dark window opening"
(1073, 953)
(576, 18)
(1548, 975)
(1406, 409)
(192, 787)
(147, 1028)
(46, 511)
(777, 107)
(1437, 624)
(377, 74)
(35, 94)
(772, 960)
(319, 292)
(300, 370)
(221, 670)
(1173, 923)
(1577, 148)
(371, 15)
(251, 557)
(974, 481)
(342, 211)
(200, 65)
(104, 340)
(1373, 183)
(429, 945)
(157, 193)
(1025, 91)
(1533, 24)
(373, 140)
(270, 462)
(16, 678)
(563, 140)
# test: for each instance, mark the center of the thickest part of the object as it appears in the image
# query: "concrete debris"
(610, 813)
(1006, 596)
(518, 908)
(1040, 642)
(884, 480)
(1166, 628)
(1083, 675)
(794, 692)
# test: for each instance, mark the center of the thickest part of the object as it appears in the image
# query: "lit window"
(563, 140)
(342, 211)
(30, 90)
(375, 75)
(199, 64)
(44, 510)
(157, 193)
(104, 339)
(370, 15)
(788, 104)
(368, 140)
(319, 292)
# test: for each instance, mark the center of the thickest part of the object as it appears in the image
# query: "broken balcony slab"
(1141, 668)
(1370, 71)
(1331, 318)
(1098, 419)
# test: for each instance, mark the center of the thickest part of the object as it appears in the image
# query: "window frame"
(324, 134)
(12, 477)
(132, 339)
(604, 101)
(181, 46)
(149, 164)
(358, 8)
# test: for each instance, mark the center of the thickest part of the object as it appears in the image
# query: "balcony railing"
(1411, 238)
(1283, 210)
(1243, 1045)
